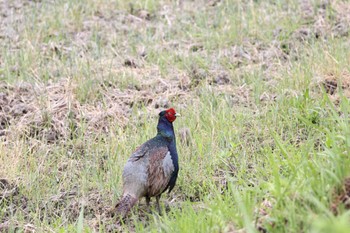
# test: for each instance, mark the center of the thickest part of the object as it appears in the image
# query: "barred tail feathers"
(125, 204)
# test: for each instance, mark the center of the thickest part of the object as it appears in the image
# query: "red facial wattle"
(170, 114)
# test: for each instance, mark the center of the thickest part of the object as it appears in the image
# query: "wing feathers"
(159, 171)
(148, 170)
(139, 153)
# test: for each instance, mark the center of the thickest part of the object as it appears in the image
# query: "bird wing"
(160, 168)
(148, 170)
(135, 177)
(139, 153)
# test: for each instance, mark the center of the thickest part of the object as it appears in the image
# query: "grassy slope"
(267, 149)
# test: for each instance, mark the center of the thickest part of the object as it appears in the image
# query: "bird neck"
(165, 129)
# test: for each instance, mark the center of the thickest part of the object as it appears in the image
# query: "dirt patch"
(12, 201)
(50, 113)
(262, 213)
(341, 197)
(12, 198)
(332, 82)
(323, 20)
(54, 112)
(336, 85)
(254, 53)
(12, 18)
(15, 226)
(66, 205)
(220, 179)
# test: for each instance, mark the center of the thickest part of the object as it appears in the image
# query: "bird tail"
(125, 204)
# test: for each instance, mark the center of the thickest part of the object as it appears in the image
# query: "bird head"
(169, 114)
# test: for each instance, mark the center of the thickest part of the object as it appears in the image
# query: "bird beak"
(177, 114)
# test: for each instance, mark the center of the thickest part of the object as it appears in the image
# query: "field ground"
(263, 88)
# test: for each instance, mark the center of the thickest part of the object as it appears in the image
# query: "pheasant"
(152, 168)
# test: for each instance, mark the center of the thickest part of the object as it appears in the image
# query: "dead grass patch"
(12, 201)
(337, 85)
(263, 212)
(323, 20)
(341, 197)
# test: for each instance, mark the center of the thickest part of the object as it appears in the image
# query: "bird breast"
(168, 165)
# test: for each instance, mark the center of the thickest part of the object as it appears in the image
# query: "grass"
(269, 142)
